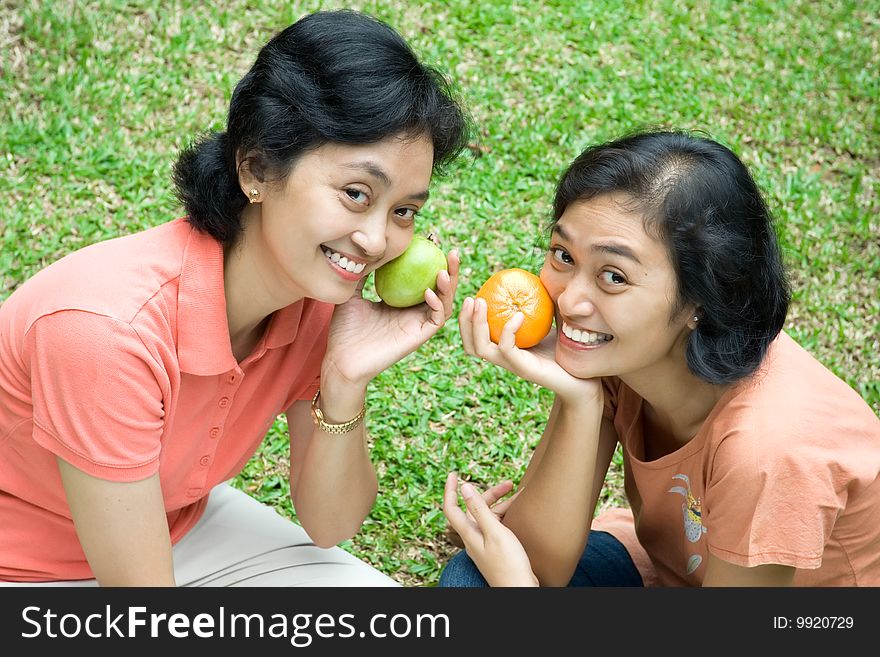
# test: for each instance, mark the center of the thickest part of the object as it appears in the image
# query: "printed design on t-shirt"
(693, 519)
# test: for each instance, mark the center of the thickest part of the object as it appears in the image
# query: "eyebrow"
(613, 248)
(377, 172)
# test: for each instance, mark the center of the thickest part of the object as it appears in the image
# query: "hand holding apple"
(367, 336)
(402, 282)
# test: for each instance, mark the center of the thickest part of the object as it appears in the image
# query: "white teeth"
(582, 336)
(345, 263)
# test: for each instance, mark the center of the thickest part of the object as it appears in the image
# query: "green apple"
(402, 282)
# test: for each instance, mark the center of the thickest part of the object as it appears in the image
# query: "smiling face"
(614, 287)
(342, 212)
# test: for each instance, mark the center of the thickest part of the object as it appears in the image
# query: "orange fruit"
(510, 291)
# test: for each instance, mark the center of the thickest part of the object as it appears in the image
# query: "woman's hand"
(490, 497)
(367, 337)
(537, 364)
(493, 547)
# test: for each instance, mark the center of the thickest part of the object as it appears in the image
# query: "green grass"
(97, 98)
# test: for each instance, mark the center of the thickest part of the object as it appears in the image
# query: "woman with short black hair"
(331, 77)
(139, 374)
(746, 462)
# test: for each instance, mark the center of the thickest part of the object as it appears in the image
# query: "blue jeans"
(605, 562)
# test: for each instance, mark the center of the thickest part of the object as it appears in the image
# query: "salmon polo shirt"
(117, 359)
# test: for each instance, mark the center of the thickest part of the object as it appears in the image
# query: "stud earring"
(254, 193)
(696, 319)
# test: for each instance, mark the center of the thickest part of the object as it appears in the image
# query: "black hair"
(332, 76)
(705, 205)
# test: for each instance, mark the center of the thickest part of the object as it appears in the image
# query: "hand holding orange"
(510, 291)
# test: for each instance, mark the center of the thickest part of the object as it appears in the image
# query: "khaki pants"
(240, 542)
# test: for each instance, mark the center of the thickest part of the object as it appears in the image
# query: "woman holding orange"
(747, 463)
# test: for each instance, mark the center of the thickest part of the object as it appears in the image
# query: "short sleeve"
(98, 394)
(766, 502)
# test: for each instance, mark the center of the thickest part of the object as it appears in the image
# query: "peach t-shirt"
(117, 359)
(785, 470)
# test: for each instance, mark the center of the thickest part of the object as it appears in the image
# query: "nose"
(575, 299)
(371, 236)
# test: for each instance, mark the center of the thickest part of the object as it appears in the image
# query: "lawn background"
(96, 98)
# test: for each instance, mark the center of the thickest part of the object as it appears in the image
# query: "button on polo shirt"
(117, 359)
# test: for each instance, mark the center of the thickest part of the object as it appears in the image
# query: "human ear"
(251, 179)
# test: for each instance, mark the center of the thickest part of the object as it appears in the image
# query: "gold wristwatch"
(327, 427)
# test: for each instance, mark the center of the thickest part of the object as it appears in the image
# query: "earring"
(254, 193)
(696, 319)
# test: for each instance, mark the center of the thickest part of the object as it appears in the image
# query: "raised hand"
(495, 549)
(367, 337)
(490, 497)
(537, 364)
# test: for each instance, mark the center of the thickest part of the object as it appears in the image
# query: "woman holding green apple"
(139, 374)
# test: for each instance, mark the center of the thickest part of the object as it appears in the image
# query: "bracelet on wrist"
(329, 427)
